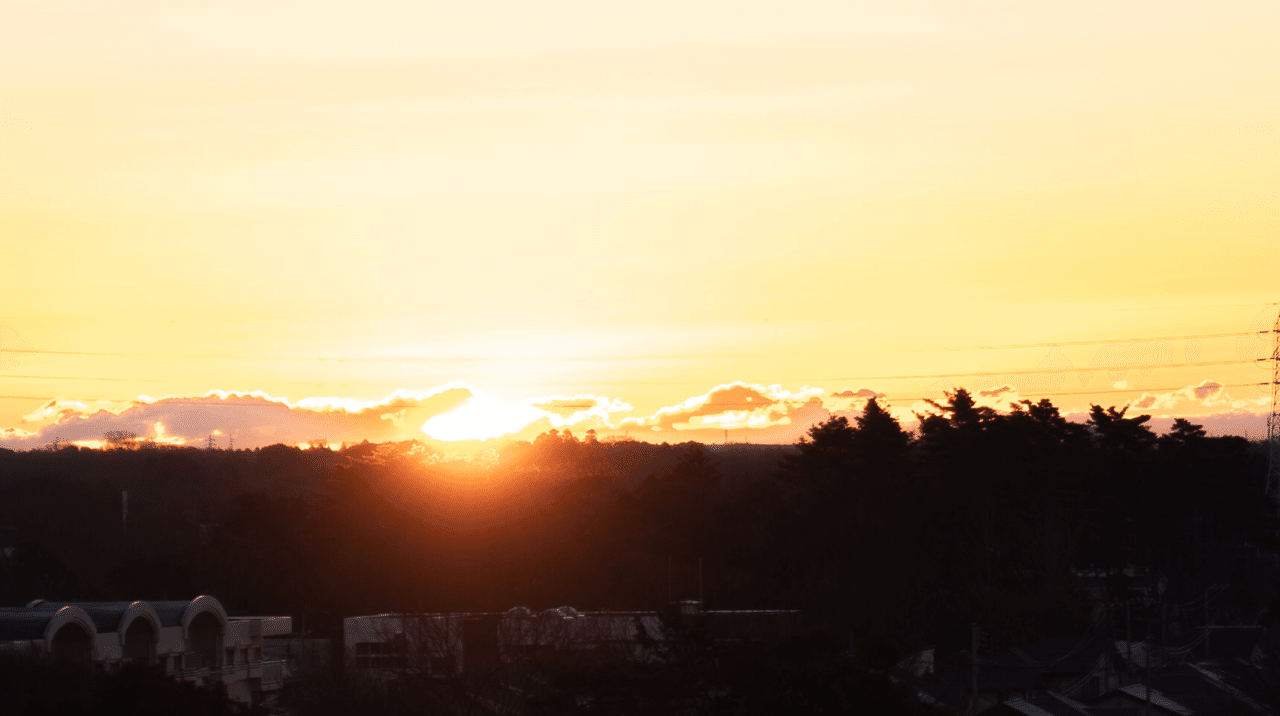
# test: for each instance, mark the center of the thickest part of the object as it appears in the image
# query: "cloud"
(1207, 398)
(730, 406)
(861, 394)
(250, 419)
(448, 413)
(14, 434)
(851, 403)
(1207, 390)
(573, 409)
(457, 418)
(484, 417)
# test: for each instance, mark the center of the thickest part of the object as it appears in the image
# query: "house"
(1076, 668)
(192, 640)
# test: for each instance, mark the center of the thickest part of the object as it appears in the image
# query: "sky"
(278, 221)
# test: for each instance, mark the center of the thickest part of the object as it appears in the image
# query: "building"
(452, 643)
(1209, 671)
(193, 640)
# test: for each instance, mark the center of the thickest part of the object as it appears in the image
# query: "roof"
(1060, 705)
(170, 612)
(106, 616)
(1047, 704)
(1139, 692)
(21, 624)
(1203, 691)
(1229, 642)
(1070, 655)
(1026, 707)
(30, 621)
(1025, 668)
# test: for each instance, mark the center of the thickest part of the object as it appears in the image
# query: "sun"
(482, 417)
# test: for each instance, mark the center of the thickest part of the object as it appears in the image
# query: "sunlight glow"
(162, 438)
(638, 199)
(482, 418)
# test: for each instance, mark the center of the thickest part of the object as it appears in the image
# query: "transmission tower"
(1273, 420)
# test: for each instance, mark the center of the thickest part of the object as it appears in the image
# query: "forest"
(887, 540)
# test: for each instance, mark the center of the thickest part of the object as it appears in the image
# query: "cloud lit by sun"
(484, 417)
(481, 418)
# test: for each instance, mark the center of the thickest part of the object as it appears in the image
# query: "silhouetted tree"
(823, 454)
(878, 442)
(1182, 434)
(1117, 435)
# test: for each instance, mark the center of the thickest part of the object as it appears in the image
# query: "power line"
(68, 377)
(675, 356)
(141, 380)
(1100, 392)
(1041, 371)
(1100, 341)
(1038, 371)
(378, 359)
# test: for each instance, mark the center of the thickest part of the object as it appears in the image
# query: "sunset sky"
(448, 220)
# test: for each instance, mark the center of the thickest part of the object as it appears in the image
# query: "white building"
(191, 640)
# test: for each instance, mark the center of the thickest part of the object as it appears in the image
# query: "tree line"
(887, 539)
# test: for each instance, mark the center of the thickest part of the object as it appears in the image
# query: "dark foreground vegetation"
(689, 671)
(34, 689)
(887, 541)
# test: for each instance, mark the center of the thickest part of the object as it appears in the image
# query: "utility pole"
(1207, 632)
(1111, 640)
(124, 513)
(1164, 633)
(1146, 709)
(1128, 634)
(973, 668)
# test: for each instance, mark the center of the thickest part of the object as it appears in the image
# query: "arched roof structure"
(203, 603)
(69, 614)
(139, 610)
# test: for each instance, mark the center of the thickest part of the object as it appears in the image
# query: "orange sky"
(626, 205)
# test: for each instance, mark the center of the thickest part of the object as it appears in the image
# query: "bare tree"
(120, 439)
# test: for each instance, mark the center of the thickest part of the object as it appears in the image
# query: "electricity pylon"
(1273, 420)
